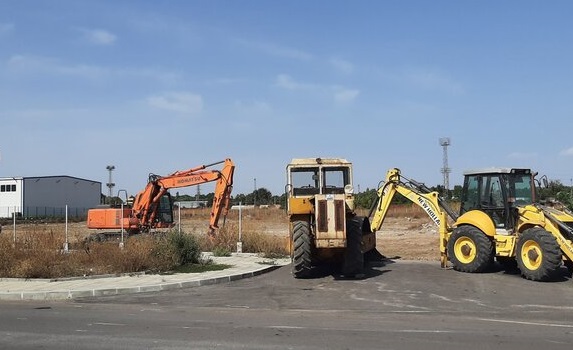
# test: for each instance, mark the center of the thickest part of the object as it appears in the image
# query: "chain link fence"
(42, 212)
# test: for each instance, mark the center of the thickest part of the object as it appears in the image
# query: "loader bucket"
(374, 255)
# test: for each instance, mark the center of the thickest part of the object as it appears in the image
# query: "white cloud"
(567, 152)
(344, 95)
(287, 82)
(342, 65)
(45, 65)
(254, 107)
(181, 102)
(340, 94)
(99, 36)
(6, 28)
(276, 50)
(432, 80)
(34, 64)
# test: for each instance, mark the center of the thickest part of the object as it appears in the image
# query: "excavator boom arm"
(146, 202)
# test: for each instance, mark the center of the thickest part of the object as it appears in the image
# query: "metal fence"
(42, 212)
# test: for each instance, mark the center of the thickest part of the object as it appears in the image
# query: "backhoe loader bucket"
(373, 255)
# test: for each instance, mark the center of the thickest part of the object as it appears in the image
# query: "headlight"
(348, 189)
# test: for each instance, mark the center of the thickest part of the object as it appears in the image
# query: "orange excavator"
(153, 207)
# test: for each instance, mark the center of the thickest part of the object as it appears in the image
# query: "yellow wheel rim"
(531, 255)
(465, 250)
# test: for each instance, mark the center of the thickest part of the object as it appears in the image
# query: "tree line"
(365, 199)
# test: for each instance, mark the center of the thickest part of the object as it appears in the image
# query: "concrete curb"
(253, 267)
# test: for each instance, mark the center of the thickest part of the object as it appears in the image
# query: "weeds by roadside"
(42, 256)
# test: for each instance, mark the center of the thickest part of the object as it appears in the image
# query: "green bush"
(184, 248)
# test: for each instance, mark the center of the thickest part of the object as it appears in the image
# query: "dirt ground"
(409, 239)
(406, 237)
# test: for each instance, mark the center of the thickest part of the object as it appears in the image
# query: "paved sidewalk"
(243, 265)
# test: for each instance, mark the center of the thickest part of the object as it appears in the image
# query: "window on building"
(7, 188)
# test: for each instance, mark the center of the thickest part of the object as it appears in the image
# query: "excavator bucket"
(373, 255)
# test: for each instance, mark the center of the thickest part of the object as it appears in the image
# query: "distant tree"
(263, 196)
(457, 192)
(365, 199)
(556, 190)
(240, 198)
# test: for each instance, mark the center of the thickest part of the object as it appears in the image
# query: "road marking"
(528, 323)
(422, 331)
(544, 307)
(432, 295)
(360, 330)
(109, 324)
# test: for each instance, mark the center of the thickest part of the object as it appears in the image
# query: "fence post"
(14, 223)
(66, 244)
(240, 242)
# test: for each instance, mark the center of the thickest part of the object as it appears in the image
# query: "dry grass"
(37, 252)
(42, 256)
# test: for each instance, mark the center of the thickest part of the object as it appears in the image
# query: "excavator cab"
(165, 210)
(498, 192)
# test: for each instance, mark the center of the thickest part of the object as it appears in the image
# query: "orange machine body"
(152, 207)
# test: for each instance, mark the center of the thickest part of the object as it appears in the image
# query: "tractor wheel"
(538, 255)
(353, 256)
(301, 257)
(470, 250)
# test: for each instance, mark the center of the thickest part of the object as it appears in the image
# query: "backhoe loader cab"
(502, 219)
(322, 223)
(497, 192)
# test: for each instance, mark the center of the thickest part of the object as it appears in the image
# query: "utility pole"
(110, 184)
(255, 193)
(445, 142)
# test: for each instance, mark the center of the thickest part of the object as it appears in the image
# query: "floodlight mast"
(110, 184)
(445, 142)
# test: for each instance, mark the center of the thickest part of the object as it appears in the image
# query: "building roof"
(46, 177)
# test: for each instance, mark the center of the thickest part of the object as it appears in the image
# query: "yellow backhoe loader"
(499, 218)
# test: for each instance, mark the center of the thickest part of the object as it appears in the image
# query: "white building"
(47, 196)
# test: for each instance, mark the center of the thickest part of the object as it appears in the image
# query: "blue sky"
(160, 86)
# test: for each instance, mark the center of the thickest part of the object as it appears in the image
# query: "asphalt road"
(401, 305)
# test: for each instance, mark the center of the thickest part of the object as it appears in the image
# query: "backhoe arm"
(418, 194)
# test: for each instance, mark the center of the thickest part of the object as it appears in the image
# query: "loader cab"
(497, 192)
(307, 177)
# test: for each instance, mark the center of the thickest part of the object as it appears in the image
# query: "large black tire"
(470, 250)
(353, 256)
(538, 255)
(302, 250)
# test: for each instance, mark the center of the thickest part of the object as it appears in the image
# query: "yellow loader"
(499, 218)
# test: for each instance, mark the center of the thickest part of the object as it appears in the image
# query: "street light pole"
(121, 243)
